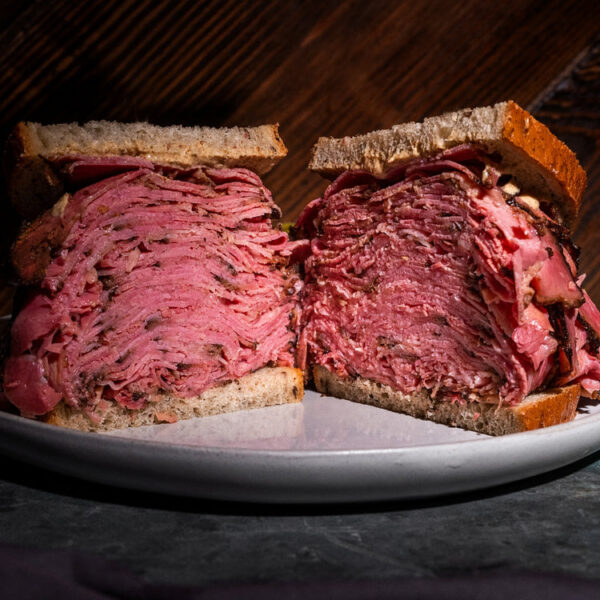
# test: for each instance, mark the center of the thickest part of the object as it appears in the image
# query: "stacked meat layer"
(153, 284)
(443, 277)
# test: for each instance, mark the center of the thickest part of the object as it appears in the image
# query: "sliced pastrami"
(555, 282)
(590, 315)
(155, 286)
(430, 279)
(82, 170)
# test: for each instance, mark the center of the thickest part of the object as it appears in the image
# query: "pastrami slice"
(435, 278)
(156, 286)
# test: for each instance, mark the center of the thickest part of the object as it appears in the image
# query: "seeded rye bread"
(540, 162)
(542, 167)
(268, 386)
(34, 185)
(540, 409)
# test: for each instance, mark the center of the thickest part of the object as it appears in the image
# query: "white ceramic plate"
(323, 450)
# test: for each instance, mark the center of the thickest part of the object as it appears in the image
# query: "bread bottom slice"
(268, 386)
(541, 409)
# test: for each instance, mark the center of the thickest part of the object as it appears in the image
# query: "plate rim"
(299, 476)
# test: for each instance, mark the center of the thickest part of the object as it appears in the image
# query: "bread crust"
(542, 165)
(538, 410)
(34, 185)
(537, 141)
(268, 386)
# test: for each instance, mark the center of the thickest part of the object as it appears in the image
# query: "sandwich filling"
(444, 277)
(150, 281)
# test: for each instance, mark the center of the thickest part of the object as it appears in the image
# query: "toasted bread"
(268, 386)
(539, 161)
(34, 184)
(540, 409)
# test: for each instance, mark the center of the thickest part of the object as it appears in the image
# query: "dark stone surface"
(549, 524)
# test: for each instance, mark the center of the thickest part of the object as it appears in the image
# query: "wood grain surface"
(318, 68)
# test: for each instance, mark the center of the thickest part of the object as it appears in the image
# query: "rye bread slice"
(540, 409)
(34, 185)
(542, 165)
(268, 386)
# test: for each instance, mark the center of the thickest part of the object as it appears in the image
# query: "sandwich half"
(156, 286)
(441, 280)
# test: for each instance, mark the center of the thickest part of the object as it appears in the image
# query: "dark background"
(318, 68)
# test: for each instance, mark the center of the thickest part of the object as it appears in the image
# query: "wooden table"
(318, 68)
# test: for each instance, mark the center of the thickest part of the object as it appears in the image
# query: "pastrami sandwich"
(441, 280)
(157, 287)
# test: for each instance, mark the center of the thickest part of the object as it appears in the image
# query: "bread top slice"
(542, 165)
(33, 184)
(257, 148)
